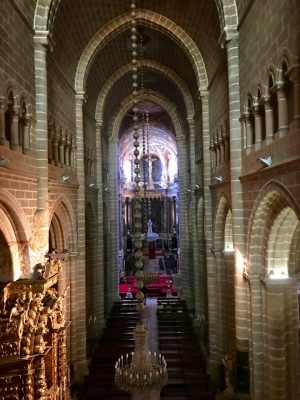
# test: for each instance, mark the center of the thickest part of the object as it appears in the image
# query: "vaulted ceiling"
(97, 33)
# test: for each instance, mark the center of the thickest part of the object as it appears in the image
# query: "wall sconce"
(3, 161)
(266, 162)
(65, 178)
(219, 178)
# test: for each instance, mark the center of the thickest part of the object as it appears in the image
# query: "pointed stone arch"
(222, 224)
(155, 97)
(149, 18)
(272, 234)
(45, 12)
(16, 232)
(153, 65)
(63, 217)
(273, 199)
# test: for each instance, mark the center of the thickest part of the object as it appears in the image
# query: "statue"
(149, 227)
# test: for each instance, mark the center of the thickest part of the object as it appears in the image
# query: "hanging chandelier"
(142, 373)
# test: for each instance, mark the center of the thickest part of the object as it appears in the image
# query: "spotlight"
(266, 162)
(219, 178)
(3, 161)
(65, 178)
(91, 184)
(106, 189)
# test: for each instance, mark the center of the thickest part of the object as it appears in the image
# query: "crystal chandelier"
(142, 373)
(141, 370)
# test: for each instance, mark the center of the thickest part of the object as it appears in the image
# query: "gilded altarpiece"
(33, 331)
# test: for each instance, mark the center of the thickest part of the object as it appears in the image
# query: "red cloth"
(151, 250)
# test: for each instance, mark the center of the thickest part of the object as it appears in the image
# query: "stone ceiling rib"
(151, 65)
(147, 18)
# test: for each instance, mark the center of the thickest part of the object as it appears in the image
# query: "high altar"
(33, 356)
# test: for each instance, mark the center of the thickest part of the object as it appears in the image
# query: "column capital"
(80, 96)
(99, 123)
(42, 38)
(203, 94)
(294, 73)
(277, 284)
(190, 119)
(229, 35)
(3, 103)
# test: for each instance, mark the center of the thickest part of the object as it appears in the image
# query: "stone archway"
(6, 262)
(16, 234)
(272, 303)
(225, 272)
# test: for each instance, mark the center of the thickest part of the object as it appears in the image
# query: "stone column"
(99, 295)
(193, 221)
(73, 156)
(243, 131)
(232, 42)
(26, 134)
(213, 156)
(217, 150)
(41, 218)
(113, 216)
(67, 150)
(210, 289)
(50, 143)
(62, 144)
(220, 297)
(269, 116)
(294, 74)
(55, 141)
(282, 339)
(3, 106)
(222, 148)
(258, 125)
(282, 109)
(249, 133)
(80, 362)
(257, 370)
(185, 259)
(14, 144)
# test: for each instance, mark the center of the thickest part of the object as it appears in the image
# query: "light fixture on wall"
(3, 161)
(91, 184)
(65, 178)
(219, 178)
(266, 162)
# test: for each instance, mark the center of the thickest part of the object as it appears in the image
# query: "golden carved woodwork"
(33, 356)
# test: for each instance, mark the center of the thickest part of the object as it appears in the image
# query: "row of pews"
(186, 365)
(117, 339)
(187, 377)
